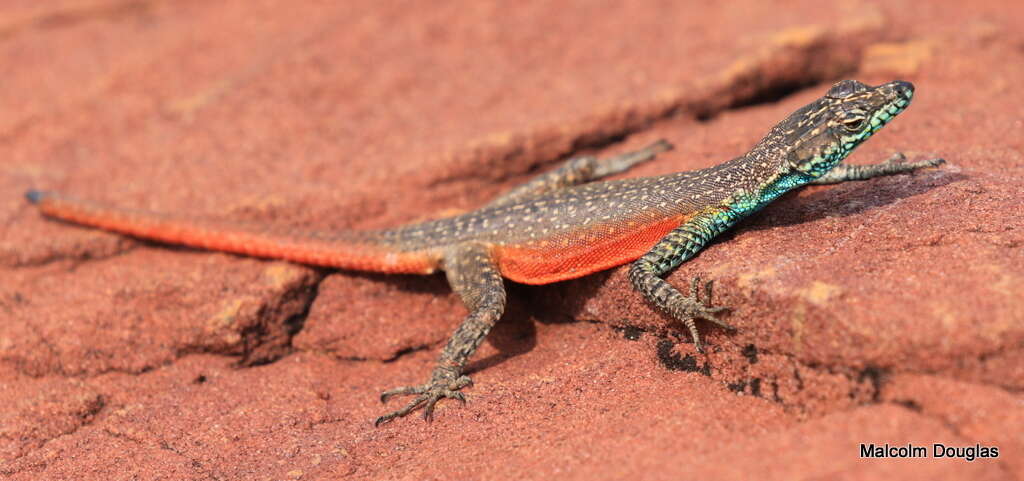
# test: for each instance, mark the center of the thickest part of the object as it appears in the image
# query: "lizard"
(561, 225)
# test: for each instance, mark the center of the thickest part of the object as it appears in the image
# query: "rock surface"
(888, 311)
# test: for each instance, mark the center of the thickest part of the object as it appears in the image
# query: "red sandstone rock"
(887, 311)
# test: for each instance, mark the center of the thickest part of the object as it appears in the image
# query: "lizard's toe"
(697, 306)
(710, 317)
(401, 391)
(427, 397)
(896, 158)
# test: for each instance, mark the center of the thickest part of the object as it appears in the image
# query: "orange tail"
(328, 250)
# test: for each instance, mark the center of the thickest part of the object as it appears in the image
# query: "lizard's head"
(824, 132)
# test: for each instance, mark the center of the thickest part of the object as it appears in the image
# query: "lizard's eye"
(853, 123)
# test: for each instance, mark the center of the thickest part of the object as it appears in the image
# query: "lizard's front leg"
(893, 165)
(473, 274)
(675, 248)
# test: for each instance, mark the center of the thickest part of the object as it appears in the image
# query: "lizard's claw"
(427, 396)
(704, 310)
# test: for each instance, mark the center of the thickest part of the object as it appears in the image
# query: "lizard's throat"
(748, 201)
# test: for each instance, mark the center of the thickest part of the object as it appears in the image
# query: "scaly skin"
(559, 226)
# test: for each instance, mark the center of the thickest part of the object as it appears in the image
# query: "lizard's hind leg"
(473, 274)
(675, 248)
(580, 170)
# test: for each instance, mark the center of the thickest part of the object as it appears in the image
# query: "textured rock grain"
(883, 311)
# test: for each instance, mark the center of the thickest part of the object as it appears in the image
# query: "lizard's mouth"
(898, 94)
(904, 90)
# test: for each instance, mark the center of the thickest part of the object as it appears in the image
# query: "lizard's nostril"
(903, 89)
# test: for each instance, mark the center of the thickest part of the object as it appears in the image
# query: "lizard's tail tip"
(36, 196)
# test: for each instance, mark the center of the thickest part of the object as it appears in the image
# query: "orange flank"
(586, 252)
(239, 239)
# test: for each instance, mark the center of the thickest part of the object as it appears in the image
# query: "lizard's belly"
(576, 254)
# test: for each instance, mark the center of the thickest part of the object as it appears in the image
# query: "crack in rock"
(790, 62)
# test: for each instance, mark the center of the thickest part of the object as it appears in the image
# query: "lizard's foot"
(443, 384)
(691, 307)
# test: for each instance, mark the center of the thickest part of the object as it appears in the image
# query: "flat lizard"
(561, 225)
